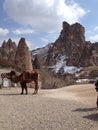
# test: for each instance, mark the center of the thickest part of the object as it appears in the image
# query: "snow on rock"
(41, 51)
(62, 64)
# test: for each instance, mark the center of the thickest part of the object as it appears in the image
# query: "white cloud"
(45, 40)
(23, 31)
(44, 15)
(96, 28)
(3, 32)
(94, 38)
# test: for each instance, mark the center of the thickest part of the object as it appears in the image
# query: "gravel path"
(44, 112)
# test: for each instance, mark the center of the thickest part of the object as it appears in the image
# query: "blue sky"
(40, 22)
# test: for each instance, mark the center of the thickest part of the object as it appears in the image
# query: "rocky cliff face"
(71, 44)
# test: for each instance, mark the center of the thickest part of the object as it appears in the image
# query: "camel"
(23, 78)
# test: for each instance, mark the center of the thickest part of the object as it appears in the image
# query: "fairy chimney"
(23, 57)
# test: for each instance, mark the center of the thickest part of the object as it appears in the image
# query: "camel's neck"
(15, 79)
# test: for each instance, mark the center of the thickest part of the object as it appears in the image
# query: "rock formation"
(23, 57)
(69, 50)
(7, 53)
(72, 44)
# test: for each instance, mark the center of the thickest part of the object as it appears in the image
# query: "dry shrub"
(51, 81)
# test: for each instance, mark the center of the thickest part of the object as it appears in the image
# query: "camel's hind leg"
(26, 89)
(36, 87)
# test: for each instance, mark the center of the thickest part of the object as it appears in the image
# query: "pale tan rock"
(23, 57)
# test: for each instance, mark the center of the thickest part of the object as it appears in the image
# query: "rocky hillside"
(71, 47)
(69, 55)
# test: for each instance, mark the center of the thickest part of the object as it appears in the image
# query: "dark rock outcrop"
(70, 43)
(36, 63)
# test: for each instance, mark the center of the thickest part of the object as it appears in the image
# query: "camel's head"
(10, 74)
(13, 77)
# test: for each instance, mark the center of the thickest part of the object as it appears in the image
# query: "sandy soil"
(82, 93)
(68, 108)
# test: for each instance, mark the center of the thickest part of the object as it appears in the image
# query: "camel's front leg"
(36, 87)
(24, 86)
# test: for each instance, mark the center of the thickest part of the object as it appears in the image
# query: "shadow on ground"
(10, 94)
(85, 109)
(93, 117)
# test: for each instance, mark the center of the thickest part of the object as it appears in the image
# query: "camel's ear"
(12, 73)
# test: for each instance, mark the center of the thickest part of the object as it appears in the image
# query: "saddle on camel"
(23, 78)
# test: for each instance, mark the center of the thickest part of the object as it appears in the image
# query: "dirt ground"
(67, 108)
(83, 93)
